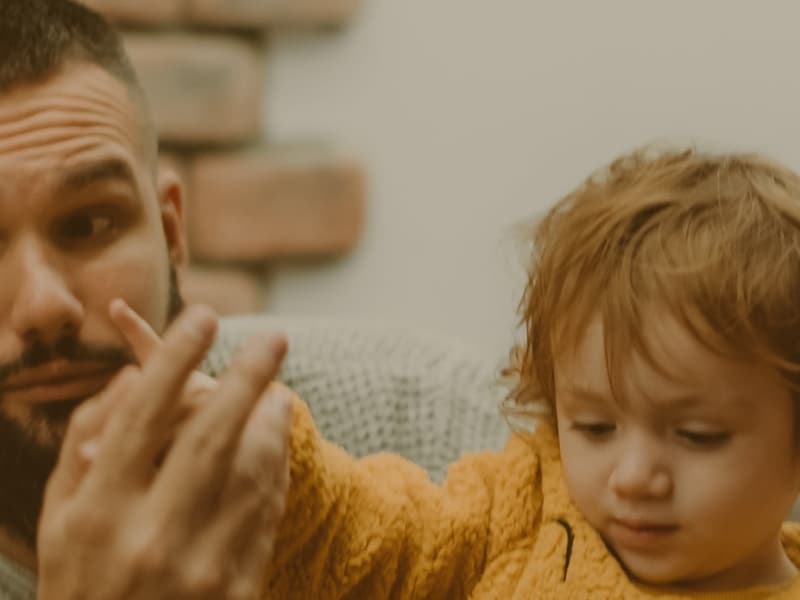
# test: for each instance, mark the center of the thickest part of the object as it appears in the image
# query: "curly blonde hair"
(712, 239)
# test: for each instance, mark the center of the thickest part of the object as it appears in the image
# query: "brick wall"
(202, 63)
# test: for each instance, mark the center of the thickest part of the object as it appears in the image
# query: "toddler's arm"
(378, 527)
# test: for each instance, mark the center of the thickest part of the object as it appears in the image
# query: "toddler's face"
(690, 475)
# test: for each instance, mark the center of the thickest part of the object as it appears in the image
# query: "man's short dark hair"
(38, 36)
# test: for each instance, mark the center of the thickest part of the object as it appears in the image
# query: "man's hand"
(169, 486)
(143, 341)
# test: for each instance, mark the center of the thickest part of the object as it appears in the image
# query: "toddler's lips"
(641, 534)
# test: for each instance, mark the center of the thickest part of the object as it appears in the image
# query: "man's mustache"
(67, 348)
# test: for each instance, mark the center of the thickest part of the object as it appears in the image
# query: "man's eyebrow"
(106, 170)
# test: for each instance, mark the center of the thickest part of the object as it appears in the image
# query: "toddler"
(656, 450)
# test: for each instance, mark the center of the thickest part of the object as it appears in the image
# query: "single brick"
(228, 291)
(264, 13)
(258, 205)
(202, 88)
(139, 11)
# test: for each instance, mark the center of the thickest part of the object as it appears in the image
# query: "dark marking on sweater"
(570, 539)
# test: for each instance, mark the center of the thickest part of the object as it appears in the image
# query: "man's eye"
(704, 439)
(86, 226)
(596, 430)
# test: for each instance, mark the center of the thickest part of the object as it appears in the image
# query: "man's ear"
(171, 203)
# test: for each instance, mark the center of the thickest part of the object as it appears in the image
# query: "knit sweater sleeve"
(378, 527)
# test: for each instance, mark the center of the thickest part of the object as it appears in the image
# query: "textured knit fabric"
(501, 527)
(16, 583)
(378, 388)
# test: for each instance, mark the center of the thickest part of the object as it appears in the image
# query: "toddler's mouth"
(641, 534)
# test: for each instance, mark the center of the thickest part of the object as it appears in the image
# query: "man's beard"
(29, 451)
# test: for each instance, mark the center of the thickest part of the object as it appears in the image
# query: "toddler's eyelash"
(595, 429)
(705, 439)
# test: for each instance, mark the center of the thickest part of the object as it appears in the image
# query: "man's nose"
(640, 471)
(45, 307)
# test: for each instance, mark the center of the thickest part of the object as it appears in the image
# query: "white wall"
(473, 114)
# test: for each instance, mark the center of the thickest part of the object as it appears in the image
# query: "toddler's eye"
(596, 430)
(705, 439)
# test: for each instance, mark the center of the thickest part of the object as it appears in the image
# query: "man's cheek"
(141, 283)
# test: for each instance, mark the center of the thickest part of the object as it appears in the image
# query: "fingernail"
(88, 450)
(116, 305)
(200, 323)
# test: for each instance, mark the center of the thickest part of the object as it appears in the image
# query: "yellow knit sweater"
(501, 527)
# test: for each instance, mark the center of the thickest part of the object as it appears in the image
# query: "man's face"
(83, 220)
(689, 477)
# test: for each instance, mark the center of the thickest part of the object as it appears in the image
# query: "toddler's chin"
(658, 570)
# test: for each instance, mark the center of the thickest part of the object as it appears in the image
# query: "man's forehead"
(79, 109)
(72, 79)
